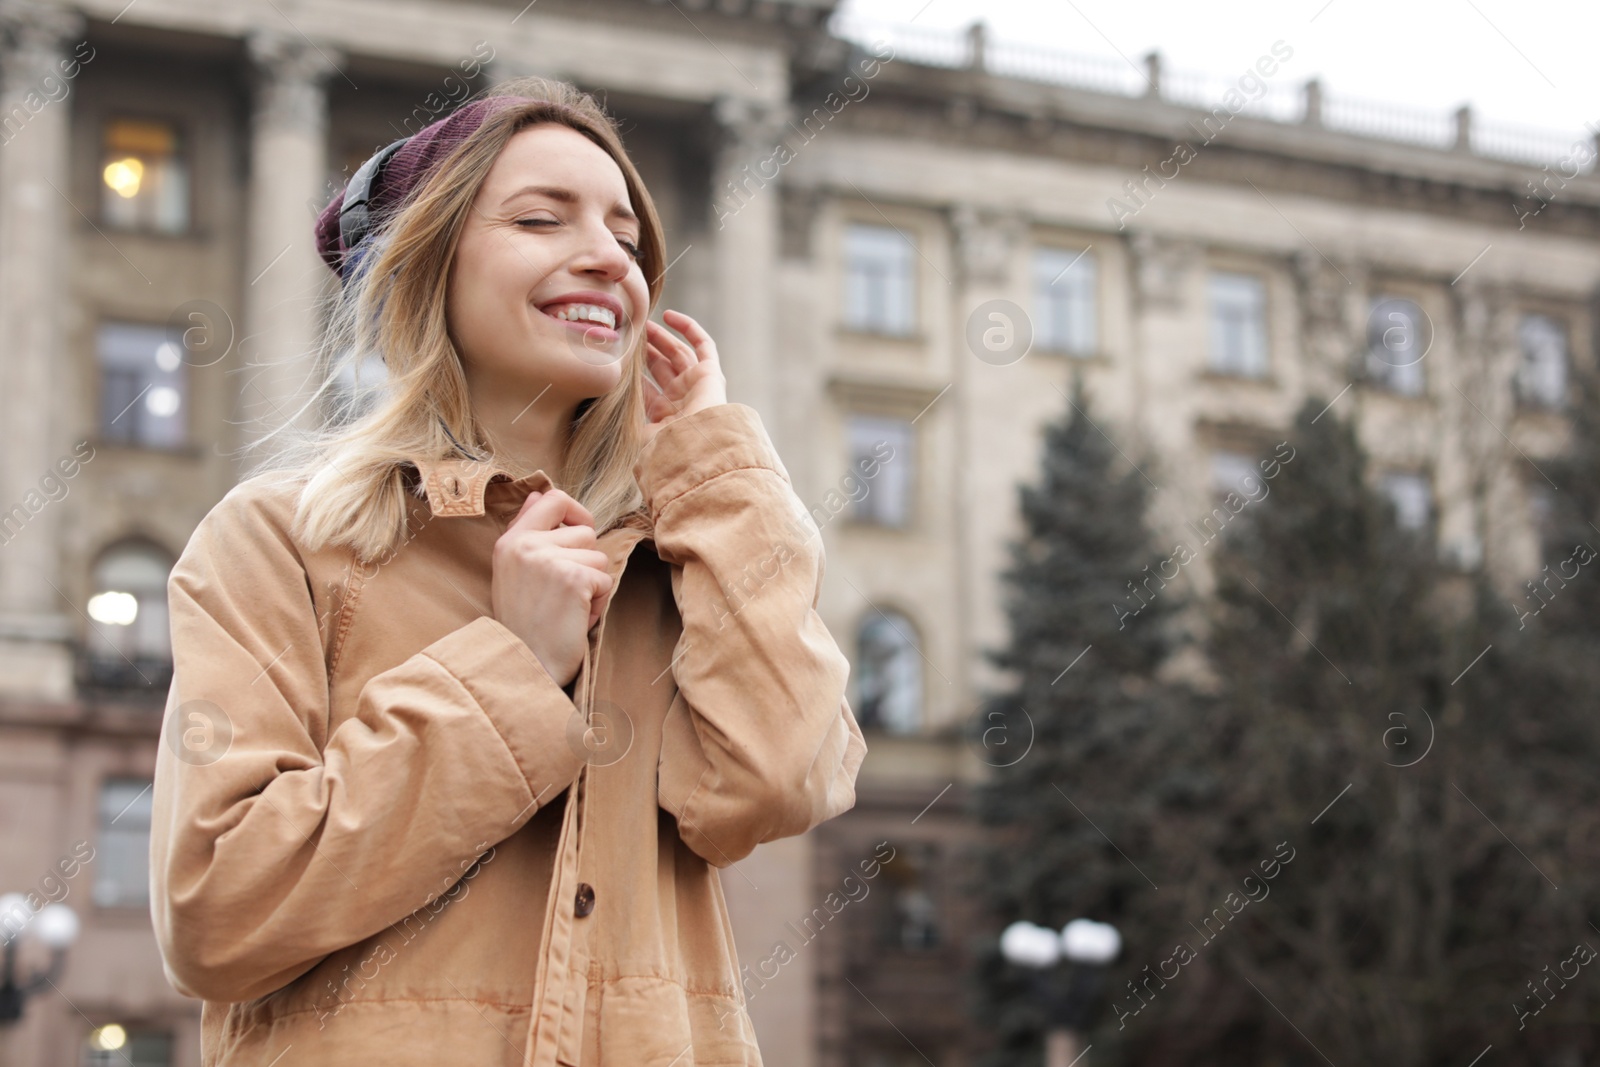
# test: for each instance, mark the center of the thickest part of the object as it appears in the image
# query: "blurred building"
(906, 243)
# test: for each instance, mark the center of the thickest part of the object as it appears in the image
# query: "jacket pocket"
(642, 1019)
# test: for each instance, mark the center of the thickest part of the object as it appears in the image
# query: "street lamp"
(56, 926)
(1086, 947)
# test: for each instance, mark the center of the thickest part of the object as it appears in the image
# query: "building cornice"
(973, 109)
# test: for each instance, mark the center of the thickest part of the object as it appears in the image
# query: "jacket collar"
(458, 485)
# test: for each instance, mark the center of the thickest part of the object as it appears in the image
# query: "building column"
(36, 222)
(993, 372)
(1479, 483)
(284, 276)
(744, 232)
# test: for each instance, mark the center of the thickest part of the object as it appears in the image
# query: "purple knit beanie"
(412, 163)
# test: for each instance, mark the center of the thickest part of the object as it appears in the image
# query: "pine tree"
(1539, 685)
(1359, 729)
(1089, 629)
(1359, 831)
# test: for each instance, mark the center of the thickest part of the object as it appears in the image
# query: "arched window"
(130, 643)
(913, 923)
(889, 672)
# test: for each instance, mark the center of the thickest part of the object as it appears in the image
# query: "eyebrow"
(567, 196)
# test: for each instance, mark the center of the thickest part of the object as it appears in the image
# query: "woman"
(477, 690)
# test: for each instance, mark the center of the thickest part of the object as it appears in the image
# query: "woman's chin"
(581, 380)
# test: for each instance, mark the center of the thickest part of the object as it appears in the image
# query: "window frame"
(1381, 374)
(868, 722)
(1386, 478)
(913, 283)
(121, 669)
(1525, 397)
(89, 1056)
(1234, 367)
(906, 470)
(183, 138)
(180, 376)
(106, 854)
(1076, 257)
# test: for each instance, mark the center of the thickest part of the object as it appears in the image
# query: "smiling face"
(546, 288)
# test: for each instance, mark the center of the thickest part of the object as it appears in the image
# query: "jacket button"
(584, 903)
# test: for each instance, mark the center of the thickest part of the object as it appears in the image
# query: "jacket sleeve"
(275, 842)
(760, 741)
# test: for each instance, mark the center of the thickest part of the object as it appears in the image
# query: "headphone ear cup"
(353, 226)
(355, 211)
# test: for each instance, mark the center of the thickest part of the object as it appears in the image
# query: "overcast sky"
(1527, 62)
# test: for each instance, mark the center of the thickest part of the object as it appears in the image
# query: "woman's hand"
(689, 374)
(550, 582)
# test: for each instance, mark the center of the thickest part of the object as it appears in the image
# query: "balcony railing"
(1263, 98)
(140, 678)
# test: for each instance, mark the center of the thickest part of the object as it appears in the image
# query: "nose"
(601, 254)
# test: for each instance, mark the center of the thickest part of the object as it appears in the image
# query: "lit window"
(1398, 334)
(122, 860)
(1064, 286)
(880, 294)
(113, 1045)
(881, 444)
(144, 386)
(1238, 324)
(889, 674)
(1542, 375)
(1412, 497)
(130, 642)
(144, 179)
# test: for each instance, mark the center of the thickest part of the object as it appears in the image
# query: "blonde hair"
(353, 471)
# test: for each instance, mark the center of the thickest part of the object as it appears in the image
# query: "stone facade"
(764, 140)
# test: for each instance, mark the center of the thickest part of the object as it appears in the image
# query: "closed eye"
(633, 249)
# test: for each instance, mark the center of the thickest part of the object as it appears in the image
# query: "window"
(883, 444)
(1238, 324)
(889, 674)
(144, 386)
(130, 645)
(913, 921)
(1064, 287)
(1234, 472)
(122, 861)
(144, 177)
(112, 1045)
(1412, 497)
(1541, 508)
(880, 292)
(1542, 514)
(1398, 335)
(1542, 375)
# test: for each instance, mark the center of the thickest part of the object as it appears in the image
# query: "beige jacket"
(384, 834)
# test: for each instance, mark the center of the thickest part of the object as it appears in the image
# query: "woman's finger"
(662, 372)
(704, 347)
(678, 353)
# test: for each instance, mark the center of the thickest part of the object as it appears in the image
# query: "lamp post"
(1086, 947)
(55, 926)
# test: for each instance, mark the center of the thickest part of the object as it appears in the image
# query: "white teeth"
(586, 313)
